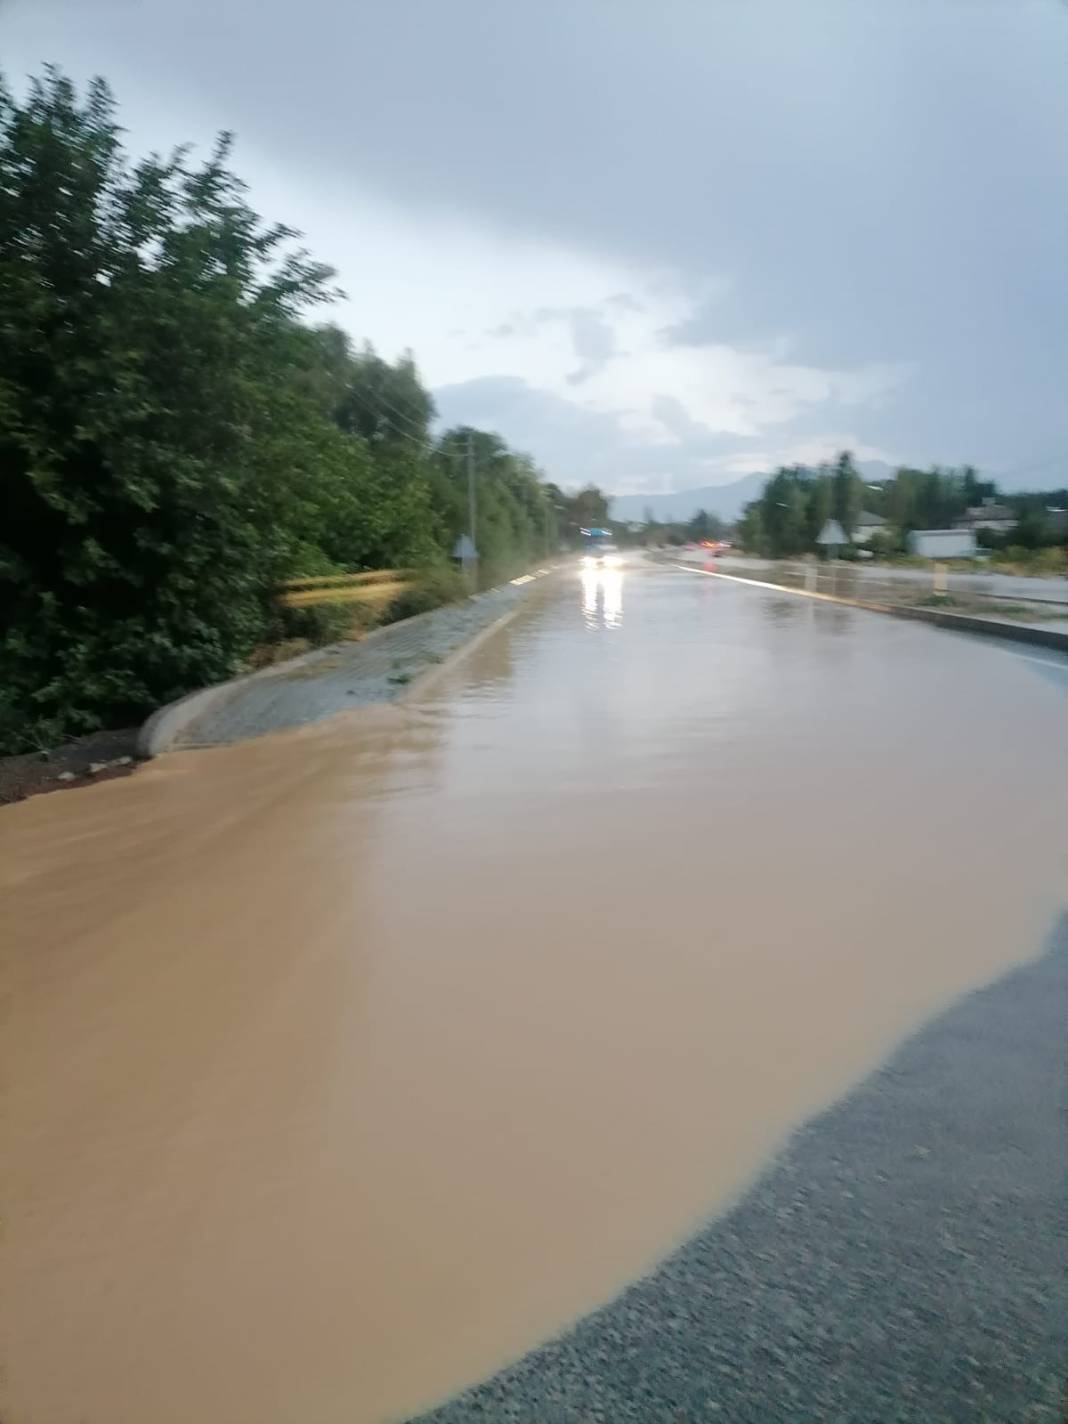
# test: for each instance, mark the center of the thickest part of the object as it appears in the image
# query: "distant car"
(602, 556)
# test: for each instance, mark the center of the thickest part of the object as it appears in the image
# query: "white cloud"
(595, 332)
(813, 451)
(663, 391)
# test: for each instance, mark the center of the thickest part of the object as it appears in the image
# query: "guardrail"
(375, 587)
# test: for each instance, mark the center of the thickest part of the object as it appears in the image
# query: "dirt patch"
(99, 756)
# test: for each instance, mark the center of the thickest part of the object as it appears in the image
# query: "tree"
(382, 402)
(589, 508)
(148, 427)
(175, 440)
(516, 520)
(791, 533)
(705, 526)
(848, 493)
(751, 532)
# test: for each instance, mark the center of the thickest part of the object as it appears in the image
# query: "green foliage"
(148, 436)
(1016, 559)
(751, 531)
(885, 544)
(588, 509)
(797, 501)
(516, 515)
(315, 623)
(705, 526)
(848, 489)
(431, 588)
(175, 440)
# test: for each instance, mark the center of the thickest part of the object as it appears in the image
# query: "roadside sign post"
(831, 537)
(464, 550)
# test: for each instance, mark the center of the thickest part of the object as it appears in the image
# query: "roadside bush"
(885, 544)
(430, 589)
(1017, 559)
(317, 623)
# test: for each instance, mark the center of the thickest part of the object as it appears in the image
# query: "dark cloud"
(877, 181)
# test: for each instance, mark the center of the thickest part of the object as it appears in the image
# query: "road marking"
(1046, 662)
(1059, 663)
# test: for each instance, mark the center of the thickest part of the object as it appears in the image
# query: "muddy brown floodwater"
(343, 1066)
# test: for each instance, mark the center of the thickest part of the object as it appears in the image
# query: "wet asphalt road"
(905, 1261)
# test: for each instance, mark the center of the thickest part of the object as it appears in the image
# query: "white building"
(943, 543)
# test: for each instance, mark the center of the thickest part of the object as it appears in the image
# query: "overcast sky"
(656, 244)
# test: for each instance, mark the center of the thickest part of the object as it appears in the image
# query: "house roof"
(988, 511)
(870, 521)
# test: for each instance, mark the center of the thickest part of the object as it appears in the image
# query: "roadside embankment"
(98, 756)
(382, 667)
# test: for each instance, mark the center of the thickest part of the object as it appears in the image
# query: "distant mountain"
(727, 500)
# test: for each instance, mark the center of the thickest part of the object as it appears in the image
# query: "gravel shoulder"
(385, 665)
(381, 667)
(904, 1259)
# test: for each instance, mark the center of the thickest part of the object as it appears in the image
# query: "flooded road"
(1044, 588)
(346, 1065)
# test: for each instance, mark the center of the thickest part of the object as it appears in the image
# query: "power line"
(364, 399)
(403, 415)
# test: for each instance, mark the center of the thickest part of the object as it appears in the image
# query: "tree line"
(178, 436)
(798, 500)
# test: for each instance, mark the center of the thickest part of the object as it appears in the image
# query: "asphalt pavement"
(904, 1261)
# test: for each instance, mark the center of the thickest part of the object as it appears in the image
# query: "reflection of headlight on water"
(602, 597)
(589, 560)
(612, 561)
(590, 584)
(612, 587)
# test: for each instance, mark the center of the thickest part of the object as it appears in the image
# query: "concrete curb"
(160, 730)
(166, 724)
(958, 622)
(423, 681)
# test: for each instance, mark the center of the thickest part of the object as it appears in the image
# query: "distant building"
(988, 515)
(943, 543)
(868, 524)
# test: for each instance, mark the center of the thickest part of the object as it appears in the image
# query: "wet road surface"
(348, 1065)
(1038, 586)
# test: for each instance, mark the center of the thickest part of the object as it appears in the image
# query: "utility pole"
(471, 492)
(465, 548)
